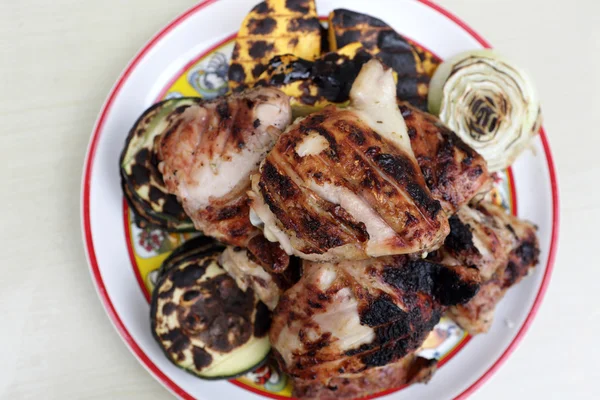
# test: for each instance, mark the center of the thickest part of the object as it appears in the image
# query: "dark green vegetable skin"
(194, 251)
(141, 181)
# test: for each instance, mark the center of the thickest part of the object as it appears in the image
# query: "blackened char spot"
(260, 48)
(155, 194)
(261, 8)
(228, 213)
(187, 277)
(460, 237)
(402, 170)
(344, 18)
(140, 175)
(396, 329)
(300, 6)
(171, 206)
(444, 284)
(223, 109)
(168, 308)
(303, 24)
(262, 26)
(221, 315)
(262, 320)
(190, 295)
(179, 342)
(202, 358)
(386, 354)
(282, 184)
(355, 133)
(528, 252)
(451, 289)
(381, 311)
(258, 69)
(412, 132)
(236, 73)
(390, 42)
(348, 37)
(142, 156)
(256, 123)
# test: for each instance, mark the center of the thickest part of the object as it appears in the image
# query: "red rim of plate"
(97, 276)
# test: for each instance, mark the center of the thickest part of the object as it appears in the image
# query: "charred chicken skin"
(454, 172)
(503, 248)
(208, 154)
(344, 183)
(342, 319)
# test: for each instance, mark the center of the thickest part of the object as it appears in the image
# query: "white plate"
(187, 45)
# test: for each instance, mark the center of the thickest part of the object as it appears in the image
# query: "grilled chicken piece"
(342, 319)
(501, 246)
(479, 236)
(208, 153)
(408, 370)
(267, 286)
(454, 172)
(344, 183)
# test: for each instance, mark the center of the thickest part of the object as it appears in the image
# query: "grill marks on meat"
(346, 318)
(501, 246)
(454, 172)
(345, 184)
(207, 156)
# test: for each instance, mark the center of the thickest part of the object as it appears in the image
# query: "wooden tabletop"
(58, 60)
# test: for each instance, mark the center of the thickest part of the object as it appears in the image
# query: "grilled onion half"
(491, 104)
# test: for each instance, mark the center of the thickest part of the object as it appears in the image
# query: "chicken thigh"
(342, 319)
(503, 248)
(209, 151)
(344, 183)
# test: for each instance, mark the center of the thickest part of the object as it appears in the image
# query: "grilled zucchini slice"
(274, 27)
(389, 46)
(195, 247)
(203, 321)
(141, 180)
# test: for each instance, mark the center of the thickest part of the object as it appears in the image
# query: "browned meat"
(343, 183)
(454, 172)
(479, 236)
(209, 151)
(504, 249)
(341, 320)
(408, 370)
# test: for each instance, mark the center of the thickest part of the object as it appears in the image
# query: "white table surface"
(58, 60)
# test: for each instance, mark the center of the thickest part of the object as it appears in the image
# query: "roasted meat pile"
(379, 201)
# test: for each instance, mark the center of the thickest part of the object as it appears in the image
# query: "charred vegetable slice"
(193, 248)
(141, 180)
(274, 27)
(490, 103)
(204, 322)
(314, 84)
(379, 39)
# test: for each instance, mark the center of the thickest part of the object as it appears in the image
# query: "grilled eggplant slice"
(141, 180)
(203, 321)
(274, 27)
(379, 39)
